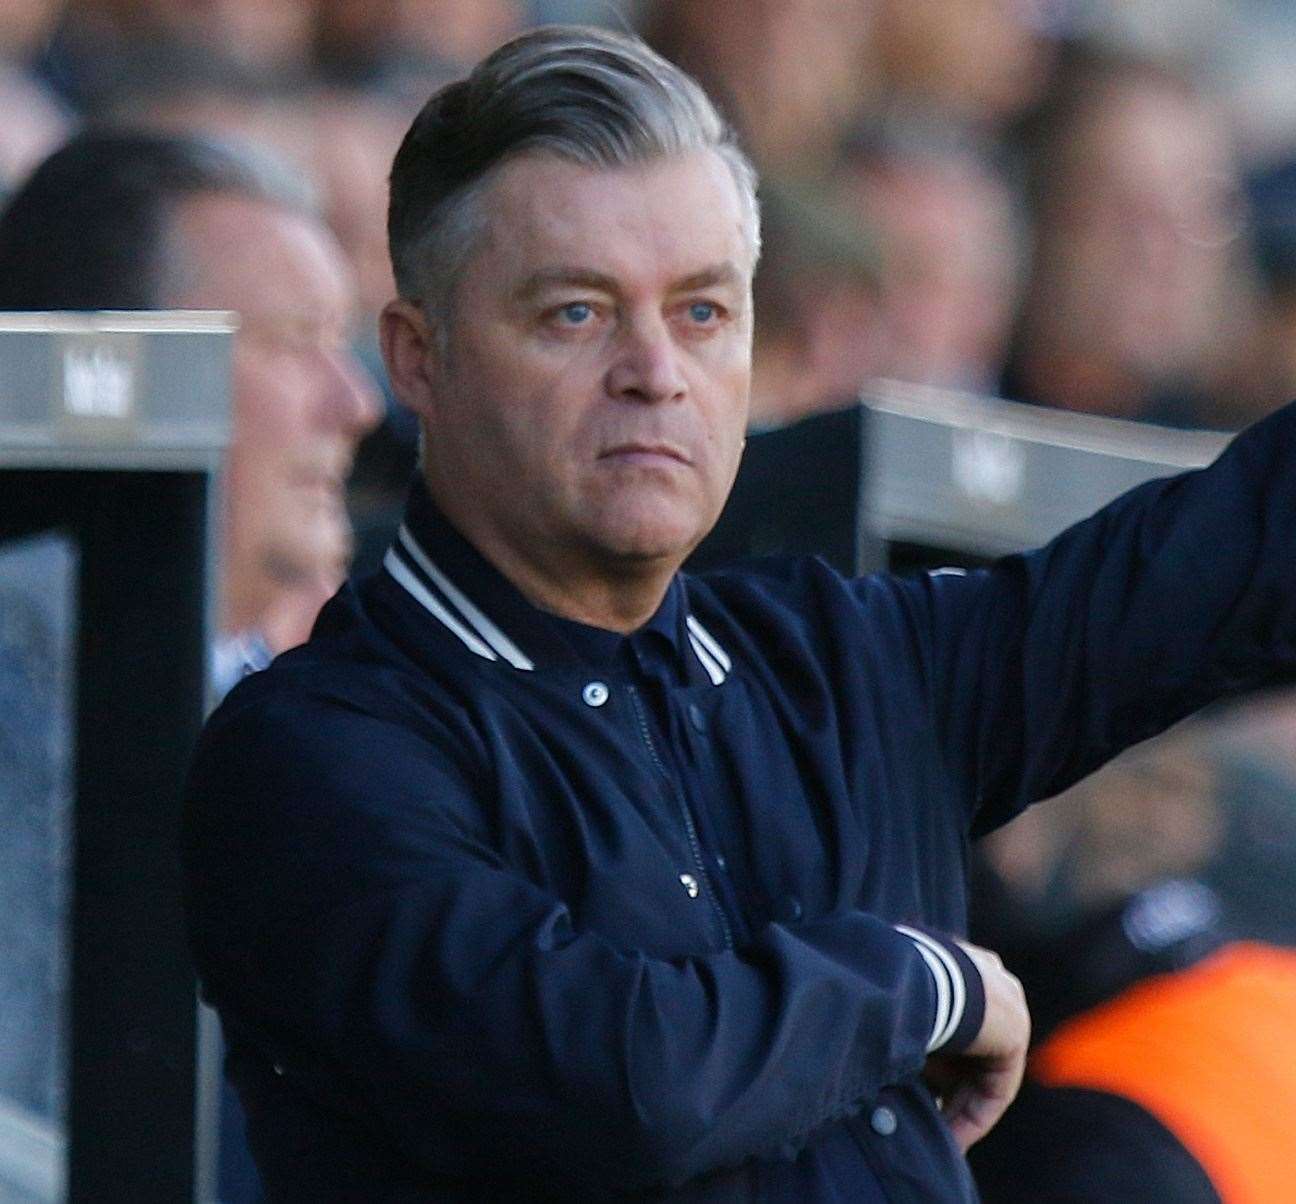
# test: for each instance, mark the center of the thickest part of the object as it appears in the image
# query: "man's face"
(589, 408)
(1144, 227)
(300, 403)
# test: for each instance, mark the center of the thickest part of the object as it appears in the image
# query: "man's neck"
(282, 613)
(618, 598)
(615, 595)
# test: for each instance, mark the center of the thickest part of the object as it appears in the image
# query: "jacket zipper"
(695, 845)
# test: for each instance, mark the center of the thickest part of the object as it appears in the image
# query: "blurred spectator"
(1135, 295)
(269, 39)
(1163, 1066)
(119, 220)
(817, 332)
(342, 140)
(409, 46)
(134, 221)
(977, 62)
(107, 50)
(36, 121)
(789, 74)
(952, 256)
(1266, 362)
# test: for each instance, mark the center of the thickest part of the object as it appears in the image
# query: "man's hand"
(977, 1084)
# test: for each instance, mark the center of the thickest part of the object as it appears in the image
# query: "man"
(545, 870)
(124, 220)
(118, 220)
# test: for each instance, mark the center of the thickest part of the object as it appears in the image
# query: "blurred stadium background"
(1086, 207)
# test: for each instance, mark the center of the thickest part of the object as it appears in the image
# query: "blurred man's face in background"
(300, 402)
(950, 254)
(1140, 223)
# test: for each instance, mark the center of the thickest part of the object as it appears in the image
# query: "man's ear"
(410, 351)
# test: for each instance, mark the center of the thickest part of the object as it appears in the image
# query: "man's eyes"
(576, 313)
(573, 314)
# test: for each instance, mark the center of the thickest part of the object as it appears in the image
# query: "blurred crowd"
(1088, 204)
(1083, 204)
(1076, 203)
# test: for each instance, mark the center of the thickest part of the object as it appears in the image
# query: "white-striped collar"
(714, 659)
(408, 563)
(497, 643)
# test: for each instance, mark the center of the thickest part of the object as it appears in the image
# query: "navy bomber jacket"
(495, 906)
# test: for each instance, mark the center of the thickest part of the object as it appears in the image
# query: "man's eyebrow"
(577, 277)
(564, 277)
(727, 272)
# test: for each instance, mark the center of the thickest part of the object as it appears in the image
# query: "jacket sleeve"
(1181, 592)
(350, 918)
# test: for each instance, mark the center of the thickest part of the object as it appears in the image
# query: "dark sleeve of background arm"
(1072, 1145)
(347, 911)
(1181, 592)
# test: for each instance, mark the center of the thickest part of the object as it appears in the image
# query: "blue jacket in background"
(494, 906)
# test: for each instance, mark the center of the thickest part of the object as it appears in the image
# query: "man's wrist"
(960, 995)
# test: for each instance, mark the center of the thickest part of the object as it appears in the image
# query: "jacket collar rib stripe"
(442, 587)
(488, 631)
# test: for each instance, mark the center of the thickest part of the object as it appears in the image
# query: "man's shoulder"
(800, 594)
(324, 747)
(781, 582)
(313, 679)
(346, 688)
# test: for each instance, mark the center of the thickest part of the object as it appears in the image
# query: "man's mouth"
(646, 453)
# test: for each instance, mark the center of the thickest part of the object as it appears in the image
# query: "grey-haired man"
(545, 869)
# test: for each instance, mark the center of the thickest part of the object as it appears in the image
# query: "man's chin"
(315, 556)
(651, 544)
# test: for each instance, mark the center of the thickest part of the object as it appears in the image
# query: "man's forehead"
(683, 212)
(258, 257)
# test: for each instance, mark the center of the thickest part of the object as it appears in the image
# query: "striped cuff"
(960, 997)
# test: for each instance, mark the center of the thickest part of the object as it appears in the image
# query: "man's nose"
(351, 397)
(646, 364)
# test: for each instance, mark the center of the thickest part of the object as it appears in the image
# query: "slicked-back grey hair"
(590, 96)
